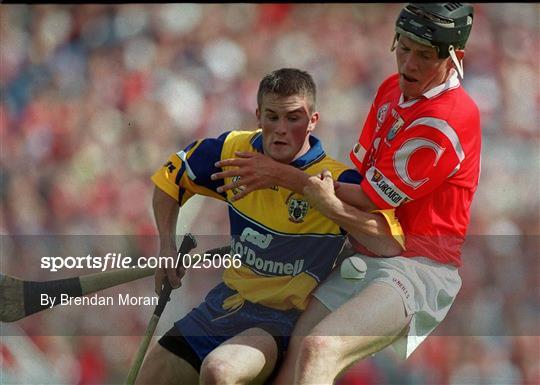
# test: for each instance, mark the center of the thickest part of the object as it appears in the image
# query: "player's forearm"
(291, 178)
(166, 216)
(353, 195)
(371, 230)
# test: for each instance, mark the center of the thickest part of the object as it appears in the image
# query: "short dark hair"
(288, 82)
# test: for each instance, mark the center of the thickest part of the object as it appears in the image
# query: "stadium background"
(95, 97)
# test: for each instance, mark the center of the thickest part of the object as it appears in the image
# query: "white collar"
(452, 82)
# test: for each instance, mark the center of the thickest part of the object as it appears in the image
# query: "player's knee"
(318, 349)
(162, 367)
(217, 371)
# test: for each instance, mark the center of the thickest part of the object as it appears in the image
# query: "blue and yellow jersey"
(287, 248)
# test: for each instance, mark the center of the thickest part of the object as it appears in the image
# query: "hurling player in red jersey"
(419, 154)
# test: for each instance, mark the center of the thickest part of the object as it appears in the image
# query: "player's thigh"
(313, 314)
(249, 357)
(161, 367)
(363, 325)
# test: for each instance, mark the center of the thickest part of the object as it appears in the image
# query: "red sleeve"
(370, 124)
(420, 159)
(359, 150)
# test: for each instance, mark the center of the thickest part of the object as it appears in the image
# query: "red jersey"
(422, 157)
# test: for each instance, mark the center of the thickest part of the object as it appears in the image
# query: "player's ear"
(258, 115)
(313, 121)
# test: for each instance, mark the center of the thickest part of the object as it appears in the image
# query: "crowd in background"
(94, 98)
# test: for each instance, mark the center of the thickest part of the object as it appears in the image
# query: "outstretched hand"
(255, 171)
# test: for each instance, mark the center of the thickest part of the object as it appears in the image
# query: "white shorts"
(427, 288)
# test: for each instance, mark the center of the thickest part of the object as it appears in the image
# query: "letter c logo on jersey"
(404, 153)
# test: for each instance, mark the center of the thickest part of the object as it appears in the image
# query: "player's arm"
(258, 171)
(166, 211)
(169, 194)
(353, 195)
(377, 231)
(185, 174)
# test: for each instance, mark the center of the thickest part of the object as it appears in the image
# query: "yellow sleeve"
(165, 176)
(175, 178)
(393, 223)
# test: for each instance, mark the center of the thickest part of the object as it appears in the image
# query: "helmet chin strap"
(393, 47)
(457, 63)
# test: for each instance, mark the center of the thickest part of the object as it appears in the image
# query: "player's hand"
(256, 172)
(172, 274)
(320, 191)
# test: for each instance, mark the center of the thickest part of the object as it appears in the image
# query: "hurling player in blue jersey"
(239, 333)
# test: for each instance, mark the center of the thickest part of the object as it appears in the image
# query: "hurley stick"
(188, 243)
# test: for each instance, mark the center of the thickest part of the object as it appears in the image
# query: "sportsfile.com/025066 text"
(118, 261)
